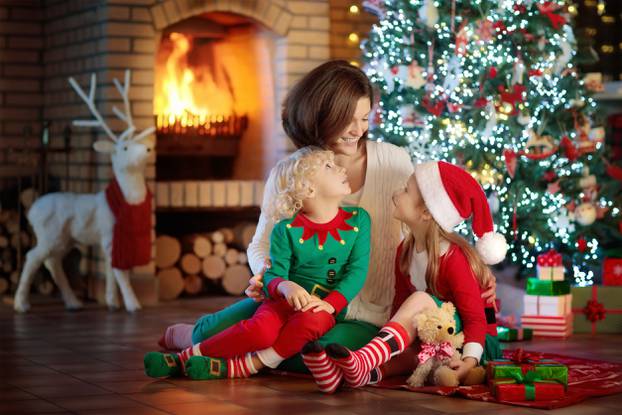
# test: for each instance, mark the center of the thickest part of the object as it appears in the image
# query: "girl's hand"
(254, 290)
(490, 294)
(318, 305)
(296, 296)
(462, 367)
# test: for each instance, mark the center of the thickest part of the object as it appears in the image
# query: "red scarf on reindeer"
(131, 240)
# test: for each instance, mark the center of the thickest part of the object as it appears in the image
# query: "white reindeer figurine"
(61, 220)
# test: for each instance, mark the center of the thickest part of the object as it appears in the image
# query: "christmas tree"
(492, 85)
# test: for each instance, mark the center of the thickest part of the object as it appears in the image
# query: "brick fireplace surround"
(42, 42)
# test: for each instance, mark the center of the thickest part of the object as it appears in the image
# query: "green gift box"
(547, 287)
(506, 334)
(523, 362)
(597, 309)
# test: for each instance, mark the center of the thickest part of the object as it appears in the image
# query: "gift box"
(542, 287)
(549, 266)
(549, 326)
(544, 305)
(517, 391)
(522, 362)
(506, 334)
(612, 272)
(597, 309)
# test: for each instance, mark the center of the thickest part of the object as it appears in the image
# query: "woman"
(329, 108)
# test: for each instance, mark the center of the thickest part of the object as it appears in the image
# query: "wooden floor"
(90, 362)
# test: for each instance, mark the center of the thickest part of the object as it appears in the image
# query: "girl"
(433, 265)
(319, 256)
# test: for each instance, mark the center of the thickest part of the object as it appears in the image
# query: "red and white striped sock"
(241, 366)
(187, 353)
(356, 366)
(326, 373)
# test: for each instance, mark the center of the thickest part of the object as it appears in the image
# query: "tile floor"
(90, 362)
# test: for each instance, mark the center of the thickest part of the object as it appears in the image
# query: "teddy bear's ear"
(448, 308)
(419, 319)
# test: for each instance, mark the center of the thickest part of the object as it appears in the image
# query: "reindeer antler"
(125, 116)
(90, 102)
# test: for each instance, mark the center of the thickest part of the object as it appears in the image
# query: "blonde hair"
(291, 181)
(433, 247)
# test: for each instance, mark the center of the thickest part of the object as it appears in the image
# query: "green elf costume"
(329, 260)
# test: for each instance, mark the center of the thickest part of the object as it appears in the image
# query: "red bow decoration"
(435, 109)
(440, 351)
(520, 356)
(571, 152)
(547, 9)
(594, 311)
(516, 95)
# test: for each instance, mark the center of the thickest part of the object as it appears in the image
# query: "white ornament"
(493, 203)
(585, 214)
(492, 121)
(518, 72)
(428, 13)
(454, 71)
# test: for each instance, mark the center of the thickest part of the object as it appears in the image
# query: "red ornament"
(549, 176)
(581, 244)
(511, 161)
(480, 102)
(500, 27)
(571, 152)
(615, 172)
(492, 73)
(534, 72)
(520, 8)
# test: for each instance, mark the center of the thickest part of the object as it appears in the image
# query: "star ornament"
(322, 230)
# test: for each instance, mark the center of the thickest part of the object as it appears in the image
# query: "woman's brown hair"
(321, 105)
(433, 247)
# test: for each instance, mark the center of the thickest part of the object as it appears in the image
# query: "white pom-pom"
(491, 247)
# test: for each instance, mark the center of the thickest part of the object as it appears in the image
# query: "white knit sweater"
(388, 169)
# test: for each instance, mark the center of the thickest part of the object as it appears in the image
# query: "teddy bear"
(436, 329)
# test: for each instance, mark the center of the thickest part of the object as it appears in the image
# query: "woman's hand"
(318, 305)
(255, 288)
(296, 296)
(462, 367)
(490, 294)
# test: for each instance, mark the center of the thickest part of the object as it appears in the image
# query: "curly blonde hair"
(291, 181)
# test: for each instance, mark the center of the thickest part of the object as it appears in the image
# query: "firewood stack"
(204, 262)
(15, 242)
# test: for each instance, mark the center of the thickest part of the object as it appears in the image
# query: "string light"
(354, 9)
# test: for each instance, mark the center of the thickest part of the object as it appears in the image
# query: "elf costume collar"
(322, 230)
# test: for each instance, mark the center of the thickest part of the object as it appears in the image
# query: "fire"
(190, 89)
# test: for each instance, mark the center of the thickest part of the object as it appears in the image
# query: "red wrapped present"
(529, 387)
(550, 266)
(612, 271)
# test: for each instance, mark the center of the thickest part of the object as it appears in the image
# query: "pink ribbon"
(440, 351)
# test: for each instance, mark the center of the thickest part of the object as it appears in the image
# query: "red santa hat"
(452, 195)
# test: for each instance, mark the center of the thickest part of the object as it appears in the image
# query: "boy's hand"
(462, 367)
(318, 305)
(296, 296)
(254, 289)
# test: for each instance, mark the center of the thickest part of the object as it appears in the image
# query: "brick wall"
(21, 88)
(342, 23)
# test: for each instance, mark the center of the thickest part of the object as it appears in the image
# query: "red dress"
(456, 283)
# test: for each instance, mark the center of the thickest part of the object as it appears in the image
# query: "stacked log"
(203, 262)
